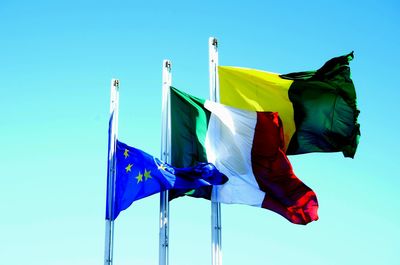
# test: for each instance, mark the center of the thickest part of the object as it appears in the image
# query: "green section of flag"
(189, 122)
(325, 111)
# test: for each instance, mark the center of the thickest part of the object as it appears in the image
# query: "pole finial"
(212, 41)
(215, 42)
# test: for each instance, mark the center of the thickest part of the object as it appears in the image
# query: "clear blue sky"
(56, 62)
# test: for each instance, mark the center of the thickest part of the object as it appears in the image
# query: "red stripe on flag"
(285, 193)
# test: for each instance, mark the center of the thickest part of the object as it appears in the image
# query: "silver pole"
(112, 139)
(165, 156)
(216, 249)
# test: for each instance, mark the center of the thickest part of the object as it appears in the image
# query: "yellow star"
(161, 167)
(128, 168)
(139, 177)
(147, 174)
(126, 153)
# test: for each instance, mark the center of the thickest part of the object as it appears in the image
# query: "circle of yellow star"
(126, 153)
(128, 168)
(139, 177)
(161, 167)
(147, 174)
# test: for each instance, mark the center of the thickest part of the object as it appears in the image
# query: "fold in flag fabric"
(245, 146)
(318, 108)
(139, 175)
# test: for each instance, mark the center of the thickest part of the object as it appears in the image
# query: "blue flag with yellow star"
(139, 175)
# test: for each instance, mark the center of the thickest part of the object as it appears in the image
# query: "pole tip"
(213, 41)
(115, 82)
(167, 64)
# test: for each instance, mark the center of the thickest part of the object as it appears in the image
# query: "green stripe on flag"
(189, 122)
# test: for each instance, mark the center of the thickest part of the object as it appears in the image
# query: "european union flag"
(139, 175)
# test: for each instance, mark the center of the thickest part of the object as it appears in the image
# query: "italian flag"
(318, 108)
(245, 146)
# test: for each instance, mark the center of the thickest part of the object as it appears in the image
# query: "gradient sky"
(57, 59)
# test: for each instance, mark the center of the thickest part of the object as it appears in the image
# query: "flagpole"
(216, 248)
(165, 156)
(111, 173)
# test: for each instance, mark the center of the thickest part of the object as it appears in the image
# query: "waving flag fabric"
(317, 108)
(139, 175)
(245, 146)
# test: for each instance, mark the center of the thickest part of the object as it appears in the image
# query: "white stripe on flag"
(229, 141)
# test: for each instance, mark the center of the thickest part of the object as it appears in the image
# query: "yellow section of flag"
(257, 90)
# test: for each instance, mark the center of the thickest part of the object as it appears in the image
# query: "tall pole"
(216, 249)
(165, 156)
(111, 173)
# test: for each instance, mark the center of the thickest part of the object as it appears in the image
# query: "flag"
(318, 108)
(245, 146)
(139, 175)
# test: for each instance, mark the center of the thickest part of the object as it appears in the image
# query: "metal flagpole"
(216, 251)
(112, 139)
(165, 156)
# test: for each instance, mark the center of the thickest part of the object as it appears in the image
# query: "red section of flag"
(285, 193)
